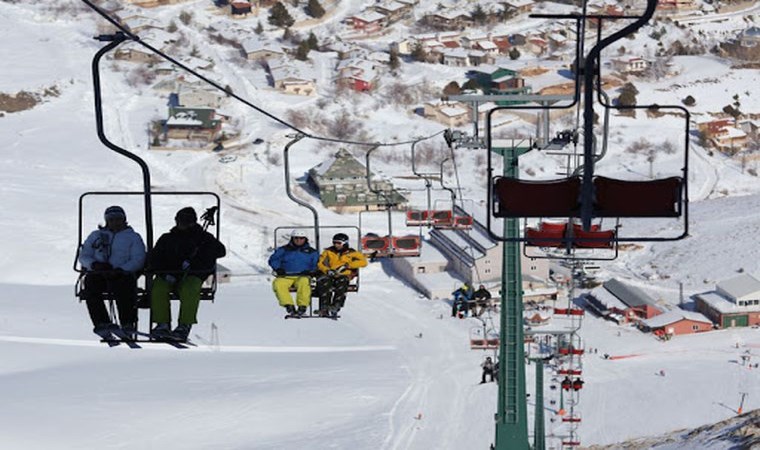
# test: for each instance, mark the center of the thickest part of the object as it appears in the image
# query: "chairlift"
(389, 246)
(566, 240)
(483, 338)
(326, 232)
(209, 218)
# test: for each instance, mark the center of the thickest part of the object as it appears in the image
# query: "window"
(695, 327)
(341, 198)
(533, 267)
(487, 271)
(421, 269)
(488, 261)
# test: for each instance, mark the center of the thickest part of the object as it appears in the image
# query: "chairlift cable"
(134, 37)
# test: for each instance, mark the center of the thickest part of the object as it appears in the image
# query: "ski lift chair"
(353, 285)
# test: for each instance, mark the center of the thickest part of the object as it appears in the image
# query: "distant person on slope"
(113, 255)
(181, 260)
(337, 264)
(488, 369)
(293, 264)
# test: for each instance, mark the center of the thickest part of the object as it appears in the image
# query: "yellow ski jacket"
(332, 259)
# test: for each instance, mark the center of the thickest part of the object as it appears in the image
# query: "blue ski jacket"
(123, 249)
(294, 260)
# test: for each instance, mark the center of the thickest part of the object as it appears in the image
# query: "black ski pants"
(488, 372)
(123, 287)
(332, 291)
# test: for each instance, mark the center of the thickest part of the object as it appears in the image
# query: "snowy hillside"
(395, 372)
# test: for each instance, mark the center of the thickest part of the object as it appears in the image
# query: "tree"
(279, 16)
(478, 15)
(172, 27)
(315, 9)
(689, 101)
(312, 41)
(627, 95)
(228, 90)
(185, 17)
(471, 85)
(393, 61)
(259, 28)
(302, 52)
(419, 53)
(514, 53)
(452, 89)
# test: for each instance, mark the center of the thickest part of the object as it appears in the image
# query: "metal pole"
(113, 41)
(539, 432)
(286, 162)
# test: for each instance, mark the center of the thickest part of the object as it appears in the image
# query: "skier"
(181, 260)
(337, 264)
(461, 297)
(112, 255)
(480, 300)
(488, 369)
(294, 264)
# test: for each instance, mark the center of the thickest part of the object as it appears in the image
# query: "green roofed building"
(341, 183)
(496, 80)
(192, 124)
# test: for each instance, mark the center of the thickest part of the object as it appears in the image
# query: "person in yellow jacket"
(337, 265)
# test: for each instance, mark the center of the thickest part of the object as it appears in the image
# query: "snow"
(367, 380)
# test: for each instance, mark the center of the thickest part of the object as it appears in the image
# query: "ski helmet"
(298, 233)
(114, 212)
(341, 237)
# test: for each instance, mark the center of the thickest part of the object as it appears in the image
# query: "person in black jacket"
(181, 260)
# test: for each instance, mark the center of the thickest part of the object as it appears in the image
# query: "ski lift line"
(459, 188)
(124, 34)
(98, 98)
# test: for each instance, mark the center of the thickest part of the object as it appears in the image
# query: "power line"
(127, 34)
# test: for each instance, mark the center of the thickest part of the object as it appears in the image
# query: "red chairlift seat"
(570, 351)
(578, 384)
(571, 443)
(441, 218)
(405, 245)
(573, 419)
(463, 222)
(569, 311)
(551, 234)
(655, 198)
(528, 198)
(416, 217)
(376, 246)
(568, 372)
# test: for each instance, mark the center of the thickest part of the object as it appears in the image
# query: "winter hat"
(341, 237)
(186, 216)
(114, 212)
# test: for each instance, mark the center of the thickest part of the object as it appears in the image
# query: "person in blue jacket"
(293, 265)
(461, 296)
(113, 255)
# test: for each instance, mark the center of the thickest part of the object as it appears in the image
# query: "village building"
(519, 6)
(394, 11)
(257, 50)
(751, 127)
(341, 183)
(368, 22)
(357, 74)
(677, 322)
(447, 20)
(730, 140)
(451, 114)
(240, 8)
(734, 302)
(498, 80)
(476, 256)
(621, 303)
(633, 64)
(192, 124)
(292, 78)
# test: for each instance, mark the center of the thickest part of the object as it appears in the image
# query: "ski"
(125, 338)
(168, 341)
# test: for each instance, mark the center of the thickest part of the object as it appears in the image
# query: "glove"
(185, 265)
(171, 279)
(333, 273)
(97, 265)
(279, 272)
